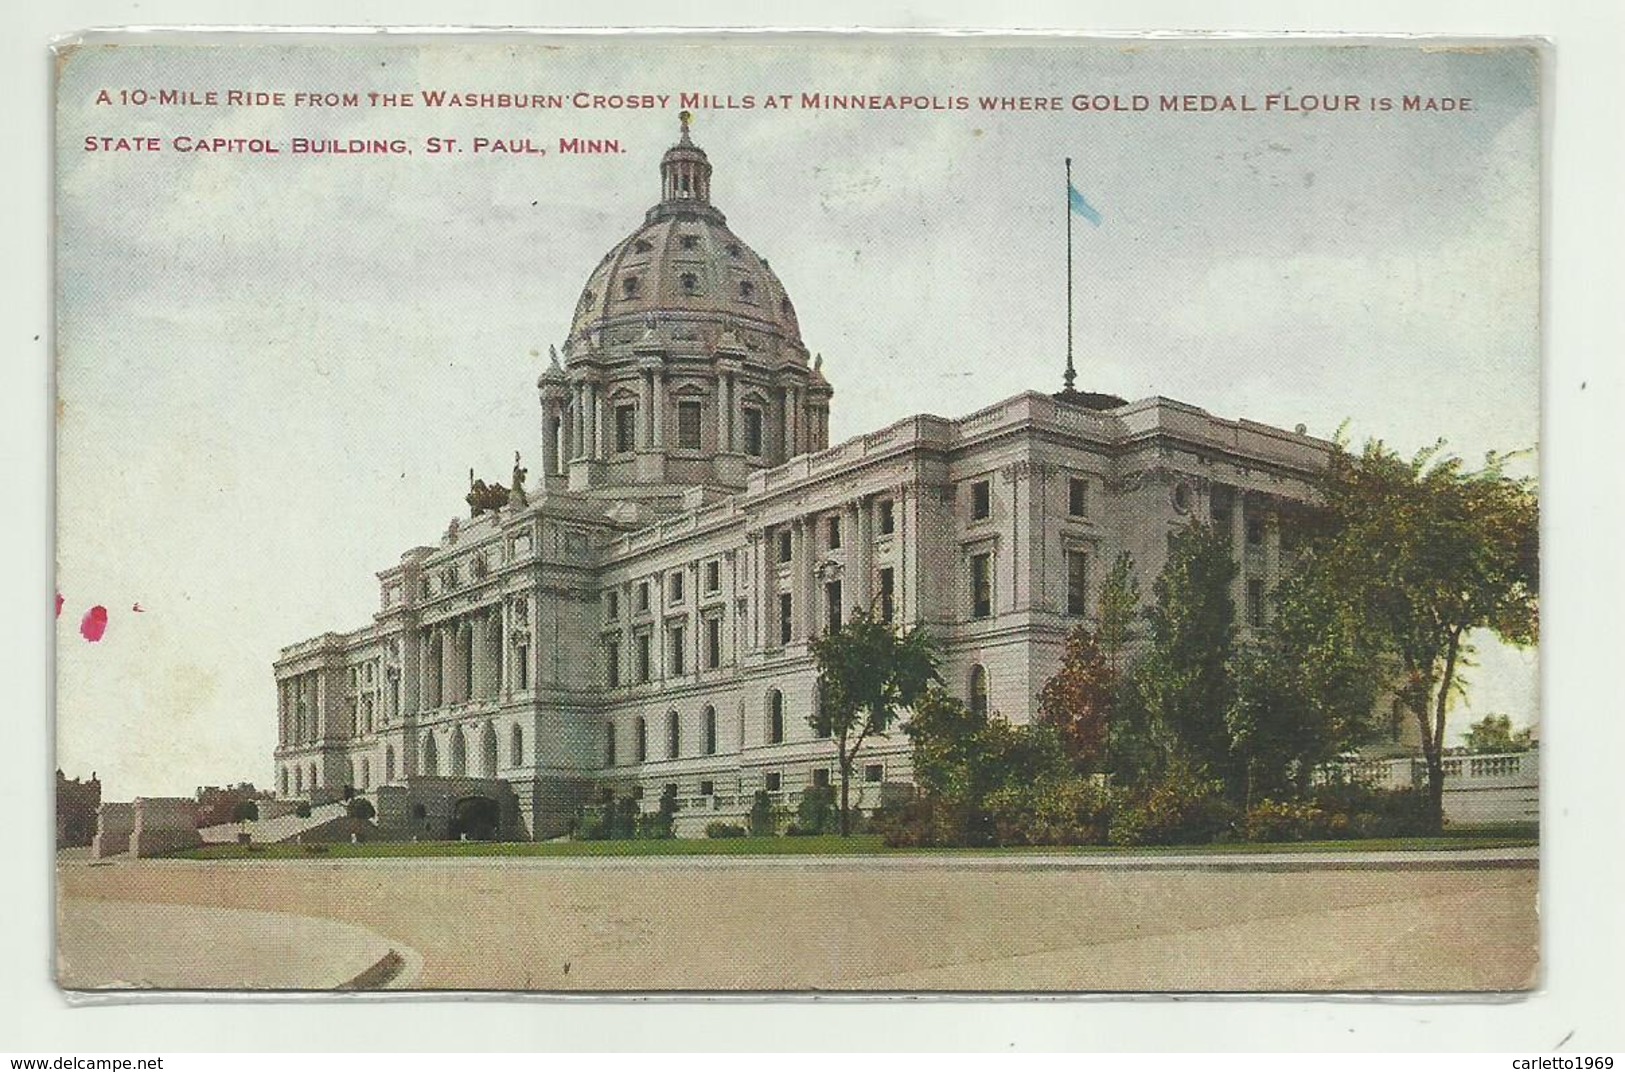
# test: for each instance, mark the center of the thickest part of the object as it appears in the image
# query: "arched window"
(775, 716)
(674, 735)
(642, 742)
(710, 730)
(298, 779)
(313, 777)
(609, 745)
(366, 773)
(977, 691)
(459, 753)
(431, 756)
(284, 781)
(822, 727)
(516, 747)
(389, 763)
(488, 751)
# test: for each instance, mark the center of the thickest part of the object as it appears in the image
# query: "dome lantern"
(685, 172)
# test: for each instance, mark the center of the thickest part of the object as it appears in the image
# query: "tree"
(1305, 690)
(1493, 733)
(1078, 701)
(246, 811)
(867, 672)
(1184, 679)
(1119, 613)
(1426, 551)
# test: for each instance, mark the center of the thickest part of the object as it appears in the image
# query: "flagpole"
(1071, 374)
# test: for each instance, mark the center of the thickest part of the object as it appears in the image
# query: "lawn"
(857, 845)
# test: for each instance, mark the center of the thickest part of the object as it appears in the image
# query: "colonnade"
(464, 658)
(579, 419)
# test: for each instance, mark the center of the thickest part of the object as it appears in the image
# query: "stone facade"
(639, 615)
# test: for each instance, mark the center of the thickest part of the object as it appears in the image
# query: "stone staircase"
(272, 831)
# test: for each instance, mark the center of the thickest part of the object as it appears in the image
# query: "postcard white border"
(1582, 738)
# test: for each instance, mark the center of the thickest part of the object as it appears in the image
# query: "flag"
(1080, 206)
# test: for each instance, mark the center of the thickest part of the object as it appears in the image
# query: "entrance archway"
(479, 818)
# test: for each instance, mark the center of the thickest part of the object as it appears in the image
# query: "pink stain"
(94, 623)
(59, 604)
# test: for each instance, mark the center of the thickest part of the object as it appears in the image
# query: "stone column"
(504, 657)
(599, 409)
(792, 423)
(659, 410)
(722, 414)
(425, 686)
(648, 400)
(1238, 550)
(859, 588)
(728, 418)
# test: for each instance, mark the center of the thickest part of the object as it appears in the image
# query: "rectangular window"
(1077, 582)
(626, 428)
(612, 606)
(1077, 496)
(888, 595)
(676, 585)
(713, 643)
(888, 517)
(773, 781)
(521, 656)
(821, 777)
(832, 605)
(787, 545)
(753, 431)
(644, 661)
(832, 528)
(688, 426)
(677, 650)
(1255, 532)
(609, 745)
(707, 789)
(981, 586)
(612, 663)
(981, 500)
(643, 596)
(1255, 603)
(785, 607)
(874, 772)
(713, 576)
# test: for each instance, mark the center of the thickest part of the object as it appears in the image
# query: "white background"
(1581, 733)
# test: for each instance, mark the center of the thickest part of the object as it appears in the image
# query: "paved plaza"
(1449, 921)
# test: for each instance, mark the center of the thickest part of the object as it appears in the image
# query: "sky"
(275, 372)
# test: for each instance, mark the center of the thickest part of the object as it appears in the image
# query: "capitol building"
(631, 608)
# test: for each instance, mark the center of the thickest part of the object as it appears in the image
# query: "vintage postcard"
(881, 513)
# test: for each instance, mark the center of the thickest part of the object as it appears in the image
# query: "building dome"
(684, 271)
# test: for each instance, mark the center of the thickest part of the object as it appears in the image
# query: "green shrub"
(302, 809)
(1360, 811)
(1055, 811)
(594, 824)
(360, 808)
(1183, 808)
(724, 830)
(762, 821)
(816, 813)
(927, 821)
(1288, 820)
